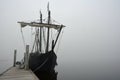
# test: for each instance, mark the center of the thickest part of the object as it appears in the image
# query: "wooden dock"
(15, 73)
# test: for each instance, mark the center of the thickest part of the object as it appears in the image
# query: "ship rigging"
(42, 59)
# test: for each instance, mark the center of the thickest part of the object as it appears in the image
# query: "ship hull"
(43, 65)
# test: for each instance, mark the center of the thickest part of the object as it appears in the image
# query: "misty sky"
(90, 45)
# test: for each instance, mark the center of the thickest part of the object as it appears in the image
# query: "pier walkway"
(15, 73)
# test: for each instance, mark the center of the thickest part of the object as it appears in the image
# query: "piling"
(27, 57)
(14, 62)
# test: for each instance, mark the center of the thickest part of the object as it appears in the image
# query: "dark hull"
(43, 65)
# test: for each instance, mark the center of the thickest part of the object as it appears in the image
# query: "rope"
(23, 38)
(54, 21)
(41, 65)
(33, 46)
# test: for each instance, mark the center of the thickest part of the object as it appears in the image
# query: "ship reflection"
(47, 75)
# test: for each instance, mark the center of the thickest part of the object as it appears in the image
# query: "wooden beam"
(35, 24)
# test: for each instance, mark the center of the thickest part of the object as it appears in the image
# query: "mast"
(37, 39)
(39, 29)
(48, 32)
(40, 43)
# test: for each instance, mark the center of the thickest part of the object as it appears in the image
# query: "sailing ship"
(42, 59)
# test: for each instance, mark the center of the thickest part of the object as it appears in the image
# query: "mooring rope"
(41, 65)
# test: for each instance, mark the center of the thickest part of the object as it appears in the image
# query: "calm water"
(108, 69)
(4, 65)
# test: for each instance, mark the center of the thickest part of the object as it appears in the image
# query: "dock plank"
(15, 73)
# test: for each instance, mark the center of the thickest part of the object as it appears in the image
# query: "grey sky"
(90, 46)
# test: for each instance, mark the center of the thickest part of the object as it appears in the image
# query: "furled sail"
(35, 24)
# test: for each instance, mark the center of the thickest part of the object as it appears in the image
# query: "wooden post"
(14, 62)
(27, 57)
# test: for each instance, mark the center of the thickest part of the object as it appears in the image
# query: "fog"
(90, 45)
